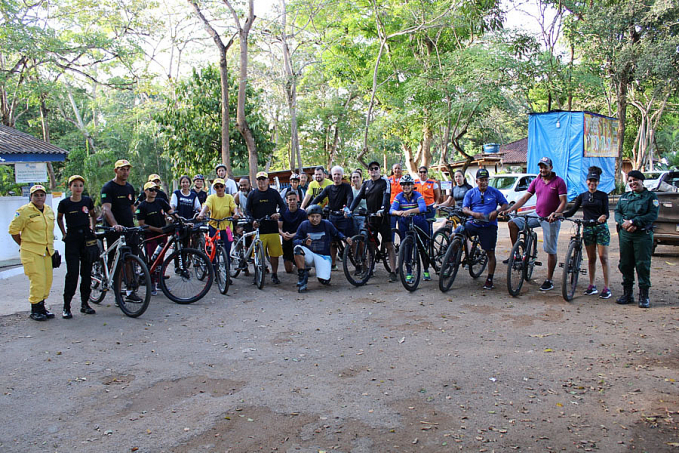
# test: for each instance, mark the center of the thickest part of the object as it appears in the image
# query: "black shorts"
(288, 254)
(381, 225)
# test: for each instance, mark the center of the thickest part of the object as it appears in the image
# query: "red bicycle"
(216, 253)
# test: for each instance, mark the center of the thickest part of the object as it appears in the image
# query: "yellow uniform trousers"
(38, 268)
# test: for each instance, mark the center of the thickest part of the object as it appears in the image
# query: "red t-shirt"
(547, 193)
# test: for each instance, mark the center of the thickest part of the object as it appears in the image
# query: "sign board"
(30, 172)
(446, 185)
(601, 136)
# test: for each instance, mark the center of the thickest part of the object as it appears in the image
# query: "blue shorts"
(550, 232)
(487, 235)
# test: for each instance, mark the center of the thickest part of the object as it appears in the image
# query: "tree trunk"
(79, 122)
(46, 138)
(224, 78)
(621, 95)
(291, 93)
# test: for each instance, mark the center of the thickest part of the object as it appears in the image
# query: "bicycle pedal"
(560, 264)
(539, 263)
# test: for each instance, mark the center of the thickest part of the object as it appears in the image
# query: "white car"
(513, 186)
(652, 181)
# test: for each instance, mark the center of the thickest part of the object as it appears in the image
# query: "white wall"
(9, 250)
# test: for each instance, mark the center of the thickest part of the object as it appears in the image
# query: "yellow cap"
(153, 177)
(122, 163)
(219, 181)
(75, 177)
(37, 187)
(150, 184)
(261, 174)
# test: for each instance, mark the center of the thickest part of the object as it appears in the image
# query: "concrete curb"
(11, 272)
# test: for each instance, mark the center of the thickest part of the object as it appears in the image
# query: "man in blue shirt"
(481, 205)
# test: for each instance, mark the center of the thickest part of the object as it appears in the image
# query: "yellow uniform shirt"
(221, 207)
(36, 229)
(317, 188)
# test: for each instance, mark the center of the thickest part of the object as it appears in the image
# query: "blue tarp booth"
(574, 141)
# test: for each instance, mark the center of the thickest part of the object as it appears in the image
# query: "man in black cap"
(634, 216)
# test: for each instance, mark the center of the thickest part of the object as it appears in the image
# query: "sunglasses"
(483, 199)
(152, 190)
(591, 197)
(374, 168)
(219, 186)
(423, 171)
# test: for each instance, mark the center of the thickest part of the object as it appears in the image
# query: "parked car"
(666, 228)
(513, 186)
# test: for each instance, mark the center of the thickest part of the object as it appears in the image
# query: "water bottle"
(159, 249)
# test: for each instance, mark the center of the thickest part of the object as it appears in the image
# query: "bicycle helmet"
(406, 179)
(199, 176)
(220, 166)
(314, 209)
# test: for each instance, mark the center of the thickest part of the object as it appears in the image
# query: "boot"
(66, 313)
(627, 295)
(644, 301)
(85, 308)
(303, 276)
(37, 314)
(48, 314)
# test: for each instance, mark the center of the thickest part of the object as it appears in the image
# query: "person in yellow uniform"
(33, 229)
(221, 205)
(316, 186)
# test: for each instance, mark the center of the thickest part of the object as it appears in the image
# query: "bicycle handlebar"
(124, 230)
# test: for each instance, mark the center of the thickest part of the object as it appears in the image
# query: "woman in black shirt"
(597, 237)
(80, 221)
(458, 192)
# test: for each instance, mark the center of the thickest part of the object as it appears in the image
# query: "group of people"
(291, 222)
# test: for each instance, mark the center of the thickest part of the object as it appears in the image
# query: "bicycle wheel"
(441, 243)
(260, 264)
(221, 267)
(571, 271)
(132, 286)
(531, 256)
(184, 287)
(409, 266)
(358, 261)
(515, 268)
(397, 240)
(97, 293)
(478, 259)
(238, 261)
(450, 264)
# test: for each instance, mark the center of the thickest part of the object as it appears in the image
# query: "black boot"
(644, 301)
(48, 314)
(37, 314)
(303, 276)
(85, 308)
(66, 313)
(627, 295)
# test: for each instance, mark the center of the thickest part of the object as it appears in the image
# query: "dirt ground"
(370, 369)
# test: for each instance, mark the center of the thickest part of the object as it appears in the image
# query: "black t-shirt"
(263, 203)
(120, 198)
(76, 213)
(338, 196)
(202, 195)
(459, 192)
(153, 213)
(291, 220)
(593, 205)
(376, 194)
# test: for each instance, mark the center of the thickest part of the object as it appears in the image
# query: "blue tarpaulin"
(561, 137)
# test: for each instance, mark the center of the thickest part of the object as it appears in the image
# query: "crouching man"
(312, 247)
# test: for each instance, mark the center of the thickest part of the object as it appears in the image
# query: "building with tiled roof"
(17, 146)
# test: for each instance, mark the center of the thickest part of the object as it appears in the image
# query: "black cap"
(593, 176)
(374, 163)
(482, 173)
(546, 160)
(636, 174)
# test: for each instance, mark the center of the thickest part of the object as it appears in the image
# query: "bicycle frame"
(426, 251)
(121, 248)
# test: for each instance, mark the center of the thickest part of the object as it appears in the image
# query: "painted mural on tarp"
(601, 136)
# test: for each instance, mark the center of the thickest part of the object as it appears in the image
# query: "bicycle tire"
(358, 261)
(531, 257)
(260, 264)
(408, 253)
(97, 283)
(397, 240)
(450, 265)
(441, 241)
(516, 268)
(571, 271)
(237, 256)
(384, 254)
(184, 287)
(132, 275)
(477, 259)
(222, 269)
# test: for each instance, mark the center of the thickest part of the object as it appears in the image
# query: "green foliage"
(190, 125)
(7, 184)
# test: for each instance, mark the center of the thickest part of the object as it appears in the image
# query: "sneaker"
(605, 294)
(274, 279)
(409, 278)
(488, 284)
(333, 267)
(359, 270)
(66, 314)
(154, 291)
(591, 290)
(392, 276)
(426, 277)
(132, 297)
(547, 285)
(505, 261)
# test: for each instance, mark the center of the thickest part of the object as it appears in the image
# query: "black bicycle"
(475, 258)
(523, 257)
(571, 267)
(358, 260)
(417, 247)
